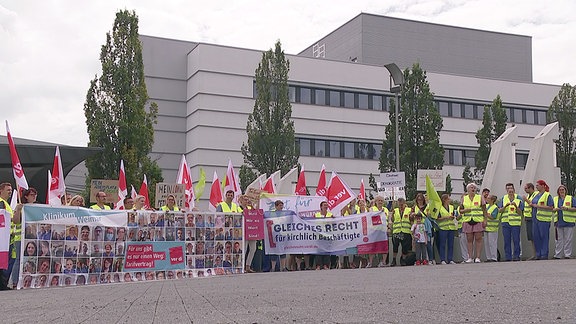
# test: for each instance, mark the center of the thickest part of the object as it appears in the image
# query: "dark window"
(348, 150)
(468, 111)
(292, 94)
(456, 110)
(530, 116)
(377, 102)
(319, 148)
(447, 157)
(541, 117)
(305, 95)
(349, 100)
(334, 149)
(335, 98)
(521, 160)
(362, 101)
(508, 113)
(443, 109)
(305, 147)
(320, 97)
(470, 158)
(377, 151)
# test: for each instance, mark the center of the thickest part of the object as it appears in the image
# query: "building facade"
(340, 99)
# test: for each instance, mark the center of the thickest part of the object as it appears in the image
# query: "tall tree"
(271, 143)
(493, 125)
(563, 110)
(115, 109)
(419, 127)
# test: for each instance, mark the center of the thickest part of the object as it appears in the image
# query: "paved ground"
(514, 292)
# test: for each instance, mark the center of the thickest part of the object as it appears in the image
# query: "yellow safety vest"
(96, 207)
(475, 205)
(492, 224)
(544, 215)
(527, 207)
(401, 224)
(165, 208)
(319, 215)
(230, 209)
(15, 229)
(568, 216)
(510, 214)
(446, 224)
(384, 209)
(356, 208)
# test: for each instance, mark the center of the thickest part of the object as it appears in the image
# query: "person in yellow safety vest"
(492, 223)
(323, 261)
(139, 203)
(15, 234)
(565, 208)
(351, 209)
(530, 193)
(100, 202)
(401, 230)
(170, 204)
(384, 213)
(542, 209)
(511, 207)
(447, 227)
(228, 206)
(472, 208)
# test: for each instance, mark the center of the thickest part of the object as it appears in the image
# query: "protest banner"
(4, 238)
(71, 246)
(253, 195)
(303, 206)
(110, 187)
(436, 176)
(163, 189)
(253, 224)
(286, 233)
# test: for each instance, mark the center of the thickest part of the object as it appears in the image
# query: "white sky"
(49, 50)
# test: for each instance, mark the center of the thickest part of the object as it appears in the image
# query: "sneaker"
(425, 262)
(381, 265)
(468, 261)
(368, 265)
(417, 262)
(452, 262)
(443, 263)
(477, 260)
(393, 263)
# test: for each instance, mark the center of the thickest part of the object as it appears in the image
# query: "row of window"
(371, 101)
(371, 151)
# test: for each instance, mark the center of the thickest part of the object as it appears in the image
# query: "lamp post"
(396, 82)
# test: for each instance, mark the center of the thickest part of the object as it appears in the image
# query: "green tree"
(563, 110)
(467, 176)
(271, 143)
(448, 185)
(115, 109)
(493, 125)
(372, 186)
(247, 176)
(419, 127)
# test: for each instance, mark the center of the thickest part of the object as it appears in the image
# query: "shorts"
(403, 239)
(476, 228)
(529, 229)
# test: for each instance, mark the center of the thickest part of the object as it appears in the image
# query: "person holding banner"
(15, 237)
(351, 209)
(77, 201)
(379, 207)
(100, 202)
(249, 245)
(322, 260)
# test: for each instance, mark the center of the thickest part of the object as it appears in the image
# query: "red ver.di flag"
(19, 176)
(338, 194)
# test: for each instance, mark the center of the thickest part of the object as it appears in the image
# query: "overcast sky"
(49, 50)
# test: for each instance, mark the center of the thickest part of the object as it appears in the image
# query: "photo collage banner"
(74, 246)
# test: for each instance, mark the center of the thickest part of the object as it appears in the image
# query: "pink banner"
(254, 224)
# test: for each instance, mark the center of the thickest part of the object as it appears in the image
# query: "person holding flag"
(15, 236)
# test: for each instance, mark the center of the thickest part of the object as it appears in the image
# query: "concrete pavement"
(512, 292)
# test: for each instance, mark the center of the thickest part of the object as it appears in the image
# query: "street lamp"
(396, 82)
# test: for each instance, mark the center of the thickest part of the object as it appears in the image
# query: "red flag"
(231, 182)
(144, 192)
(269, 186)
(321, 188)
(338, 194)
(57, 186)
(19, 176)
(362, 193)
(133, 193)
(184, 177)
(122, 188)
(301, 184)
(215, 193)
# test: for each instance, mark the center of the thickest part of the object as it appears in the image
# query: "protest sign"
(164, 189)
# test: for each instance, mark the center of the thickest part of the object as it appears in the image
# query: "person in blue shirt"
(564, 207)
(542, 209)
